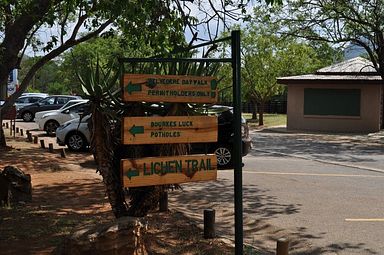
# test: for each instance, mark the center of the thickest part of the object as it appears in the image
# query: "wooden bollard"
(42, 144)
(50, 147)
(209, 223)
(35, 139)
(29, 137)
(6, 125)
(17, 130)
(62, 153)
(282, 246)
(21, 132)
(163, 202)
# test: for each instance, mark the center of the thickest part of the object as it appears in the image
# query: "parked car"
(38, 115)
(34, 94)
(50, 121)
(77, 136)
(74, 133)
(28, 100)
(223, 148)
(27, 113)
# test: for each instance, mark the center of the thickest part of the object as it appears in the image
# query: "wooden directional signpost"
(187, 89)
(169, 88)
(168, 170)
(168, 130)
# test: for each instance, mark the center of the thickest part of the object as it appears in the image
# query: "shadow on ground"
(55, 210)
(44, 161)
(258, 207)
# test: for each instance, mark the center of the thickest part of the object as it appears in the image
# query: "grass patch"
(270, 120)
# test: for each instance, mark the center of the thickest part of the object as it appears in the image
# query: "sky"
(215, 26)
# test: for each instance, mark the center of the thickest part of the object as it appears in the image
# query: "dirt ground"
(68, 193)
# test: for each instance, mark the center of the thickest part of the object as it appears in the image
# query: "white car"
(74, 133)
(38, 115)
(34, 94)
(50, 121)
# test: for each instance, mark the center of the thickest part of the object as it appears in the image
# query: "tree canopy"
(268, 54)
(356, 22)
(54, 26)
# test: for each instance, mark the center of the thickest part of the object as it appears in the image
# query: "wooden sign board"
(170, 129)
(169, 88)
(168, 170)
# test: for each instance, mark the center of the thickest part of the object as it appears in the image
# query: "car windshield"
(69, 103)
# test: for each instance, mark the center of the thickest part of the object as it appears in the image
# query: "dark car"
(27, 113)
(223, 148)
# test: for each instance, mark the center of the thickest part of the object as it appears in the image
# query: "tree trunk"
(145, 199)
(3, 142)
(382, 108)
(254, 110)
(104, 150)
(261, 114)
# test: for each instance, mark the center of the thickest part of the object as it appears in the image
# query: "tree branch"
(54, 53)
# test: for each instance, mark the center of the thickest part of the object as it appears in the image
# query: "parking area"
(321, 191)
(32, 127)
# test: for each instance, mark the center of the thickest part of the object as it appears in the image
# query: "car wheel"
(224, 156)
(27, 116)
(51, 126)
(76, 142)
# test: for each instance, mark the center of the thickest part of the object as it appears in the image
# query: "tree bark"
(261, 114)
(104, 150)
(254, 110)
(3, 142)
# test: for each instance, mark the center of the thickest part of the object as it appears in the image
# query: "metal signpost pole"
(238, 175)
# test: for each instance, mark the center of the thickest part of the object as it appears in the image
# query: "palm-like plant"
(97, 86)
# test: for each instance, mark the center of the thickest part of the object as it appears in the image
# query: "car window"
(22, 100)
(69, 103)
(48, 101)
(75, 108)
(80, 108)
(34, 99)
(63, 100)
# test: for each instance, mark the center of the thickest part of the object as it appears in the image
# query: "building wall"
(368, 121)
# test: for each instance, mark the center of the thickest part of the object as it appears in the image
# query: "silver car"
(74, 134)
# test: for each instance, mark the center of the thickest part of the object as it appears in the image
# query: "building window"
(338, 102)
